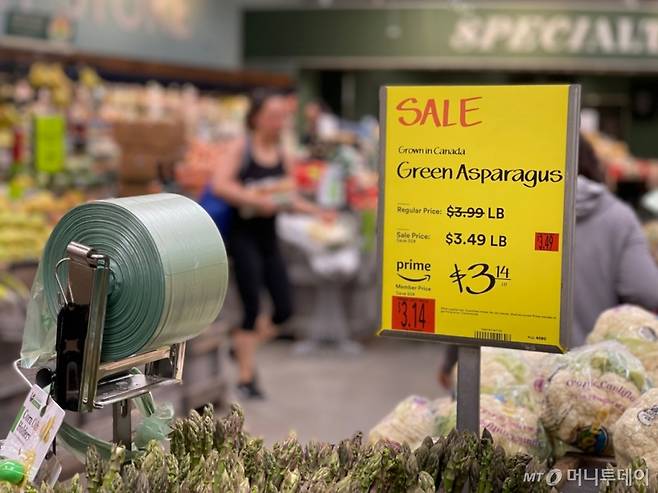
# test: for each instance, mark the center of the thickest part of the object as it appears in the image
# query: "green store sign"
(559, 35)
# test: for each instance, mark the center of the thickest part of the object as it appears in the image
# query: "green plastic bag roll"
(168, 280)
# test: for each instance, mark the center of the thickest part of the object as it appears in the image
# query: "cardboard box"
(134, 189)
(166, 138)
(138, 167)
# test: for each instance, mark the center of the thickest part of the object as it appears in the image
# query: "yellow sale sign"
(476, 213)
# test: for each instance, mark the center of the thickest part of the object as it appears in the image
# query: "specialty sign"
(476, 213)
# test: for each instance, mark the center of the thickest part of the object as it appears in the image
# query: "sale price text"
(475, 239)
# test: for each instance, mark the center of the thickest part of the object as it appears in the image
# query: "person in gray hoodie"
(612, 261)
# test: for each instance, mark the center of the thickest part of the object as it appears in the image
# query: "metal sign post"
(468, 389)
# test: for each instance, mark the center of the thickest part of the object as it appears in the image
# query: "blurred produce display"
(94, 112)
(26, 223)
(14, 296)
(134, 139)
(619, 164)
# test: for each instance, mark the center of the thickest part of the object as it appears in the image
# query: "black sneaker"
(250, 391)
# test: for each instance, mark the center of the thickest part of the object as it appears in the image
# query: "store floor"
(329, 395)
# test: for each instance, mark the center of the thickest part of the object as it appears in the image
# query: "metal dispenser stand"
(82, 383)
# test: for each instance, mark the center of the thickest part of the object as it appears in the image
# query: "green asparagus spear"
(142, 484)
(457, 468)
(483, 481)
(184, 466)
(290, 482)
(94, 470)
(173, 473)
(46, 488)
(423, 451)
(129, 475)
(6, 487)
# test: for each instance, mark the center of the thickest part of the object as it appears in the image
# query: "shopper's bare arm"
(225, 180)
(300, 204)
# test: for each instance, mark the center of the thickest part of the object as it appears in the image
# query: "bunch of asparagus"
(462, 459)
(215, 455)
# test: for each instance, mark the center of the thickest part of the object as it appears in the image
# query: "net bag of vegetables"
(586, 391)
(635, 328)
(517, 429)
(636, 435)
(508, 374)
(411, 421)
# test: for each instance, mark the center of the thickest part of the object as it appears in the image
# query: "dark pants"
(258, 263)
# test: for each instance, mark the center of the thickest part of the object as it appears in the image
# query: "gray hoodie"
(612, 263)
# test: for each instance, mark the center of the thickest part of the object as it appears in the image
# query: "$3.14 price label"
(413, 314)
(479, 278)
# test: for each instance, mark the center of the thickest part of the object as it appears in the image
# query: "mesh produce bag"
(636, 434)
(517, 429)
(508, 374)
(635, 328)
(411, 421)
(585, 391)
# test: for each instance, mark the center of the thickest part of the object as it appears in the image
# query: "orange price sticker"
(414, 314)
(547, 242)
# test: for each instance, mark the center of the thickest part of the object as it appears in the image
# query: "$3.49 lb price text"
(475, 239)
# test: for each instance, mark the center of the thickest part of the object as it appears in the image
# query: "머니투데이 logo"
(413, 270)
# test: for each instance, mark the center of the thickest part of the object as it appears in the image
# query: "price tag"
(547, 242)
(476, 214)
(33, 431)
(414, 314)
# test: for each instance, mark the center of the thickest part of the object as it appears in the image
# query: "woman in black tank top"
(257, 183)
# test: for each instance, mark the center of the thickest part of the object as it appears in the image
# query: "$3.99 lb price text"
(475, 212)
